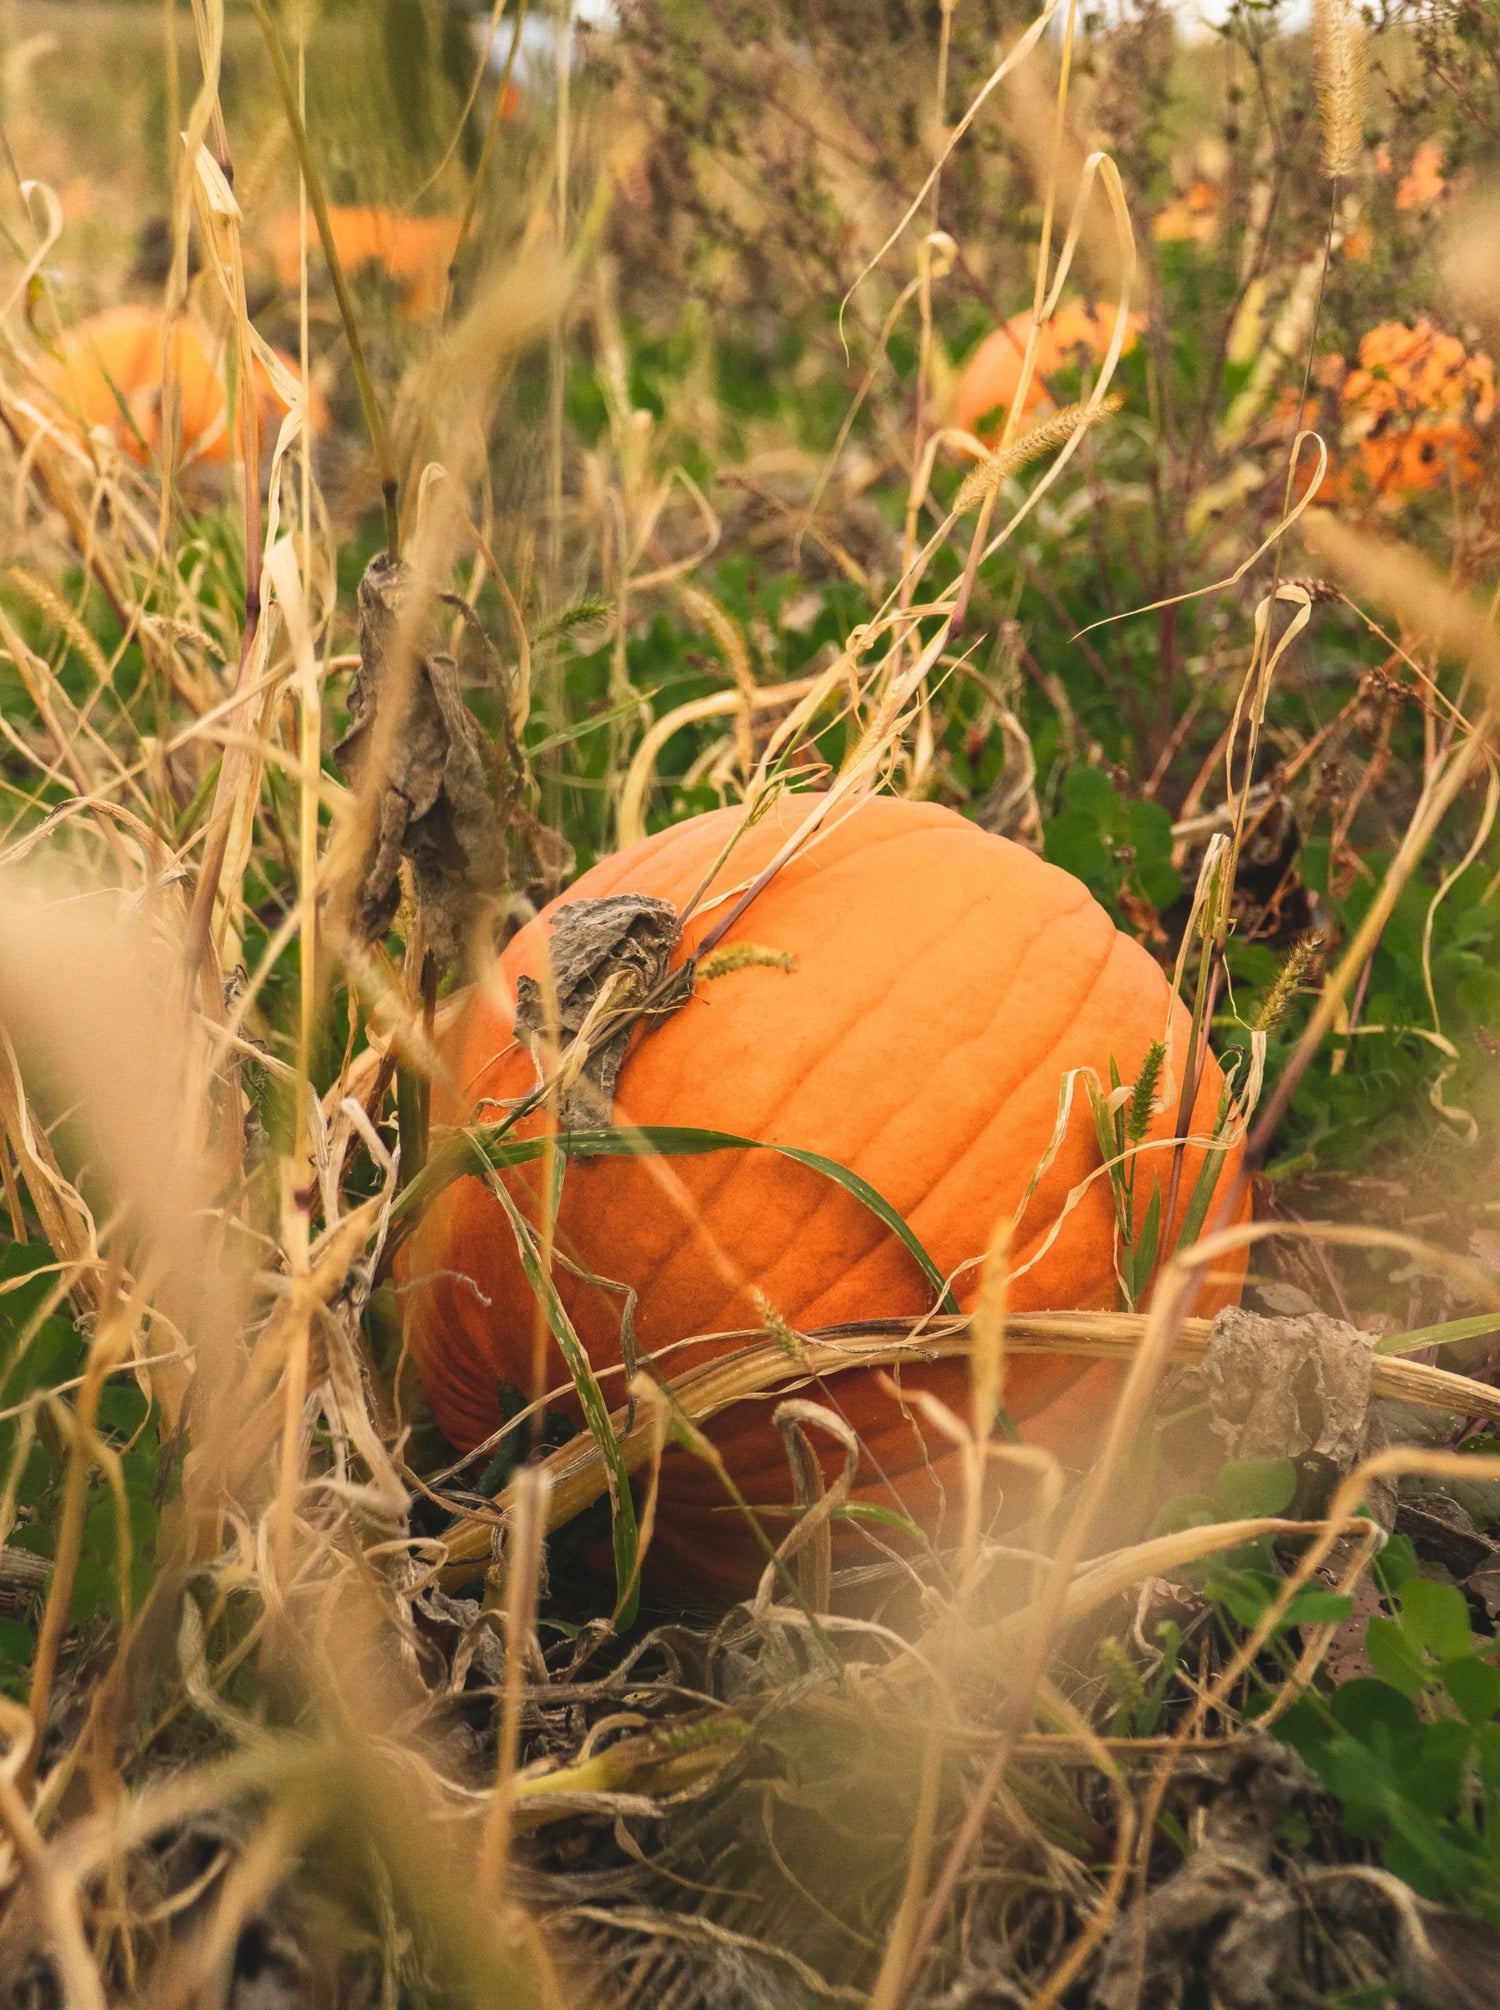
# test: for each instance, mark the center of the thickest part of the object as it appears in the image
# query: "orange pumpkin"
(990, 377)
(414, 251)
(116, 356)
(944, 982)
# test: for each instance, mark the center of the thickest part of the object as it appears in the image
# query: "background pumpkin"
(117, 355)
(945, 980)
(413, 251)
(989, 379)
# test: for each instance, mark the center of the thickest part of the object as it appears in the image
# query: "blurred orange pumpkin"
(414, 251)
(989, 379)
(945, 982)
(109, 373)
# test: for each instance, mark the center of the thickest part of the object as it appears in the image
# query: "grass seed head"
(984, 479)
(1339, 57)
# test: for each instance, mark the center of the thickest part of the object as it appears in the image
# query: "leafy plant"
(43, 1355)
(1121, 850)
(1412, 1752)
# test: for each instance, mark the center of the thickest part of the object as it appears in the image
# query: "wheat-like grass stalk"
(1340, 63)
(986, 478)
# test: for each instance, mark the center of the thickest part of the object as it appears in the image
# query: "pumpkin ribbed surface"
(945, 981)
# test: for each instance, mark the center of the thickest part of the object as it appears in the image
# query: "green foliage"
(1140, 1707)
(1113, 845)
(1380, 1101)
(1121, 1131)
(42, 1355)
(1243, 1488)
(1412, 1753)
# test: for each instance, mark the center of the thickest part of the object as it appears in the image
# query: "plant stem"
(374, 418)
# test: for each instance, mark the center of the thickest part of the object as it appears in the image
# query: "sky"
(1195, 17)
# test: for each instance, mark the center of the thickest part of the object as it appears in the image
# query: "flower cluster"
(1413, 406)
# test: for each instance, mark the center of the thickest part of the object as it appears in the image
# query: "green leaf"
(1071, 840)
(93, 1590)
(1474, 1685)
(1488, 1748)
(1185, 1511)
(1435, 1616)
(1246, 1488)
(484, 1150)
(1206, 1182)
(1314, 1607)
(17, 1644)
(1304, 1726)
(29, 1270)
(1142, 1259)
(880, 1517)
(1395, 1564)
(629, 708)
(1106, 1130)
(36, 1476)
(1373, 1712)
(1393, 1657)
(1360, 1772)
(1245, 1594)
(122, 1408)
(1090, 791)
(1160, 885)
(1148, 827)
(1434, 1777)
(53, 1354)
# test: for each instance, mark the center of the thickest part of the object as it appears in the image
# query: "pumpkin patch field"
(749, 1004)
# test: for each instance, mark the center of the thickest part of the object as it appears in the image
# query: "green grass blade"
(1206, 1182)
(1473, 1328)
(623, 1530)
(473, 1151)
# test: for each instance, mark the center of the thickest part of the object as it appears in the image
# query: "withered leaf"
(624, 941)
(1281, 1388)
(1221, 1918)
(440, 801)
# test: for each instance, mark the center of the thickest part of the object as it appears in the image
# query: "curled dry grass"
(298, 1688)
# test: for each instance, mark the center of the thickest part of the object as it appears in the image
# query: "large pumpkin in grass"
(944, 982)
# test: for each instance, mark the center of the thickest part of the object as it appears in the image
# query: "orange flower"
(1419, 370)
(109, 373)
(990, 377)
(414, 251)
(1407, 463)
(1424, 183)
(1359, 241)
(1412, 406)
